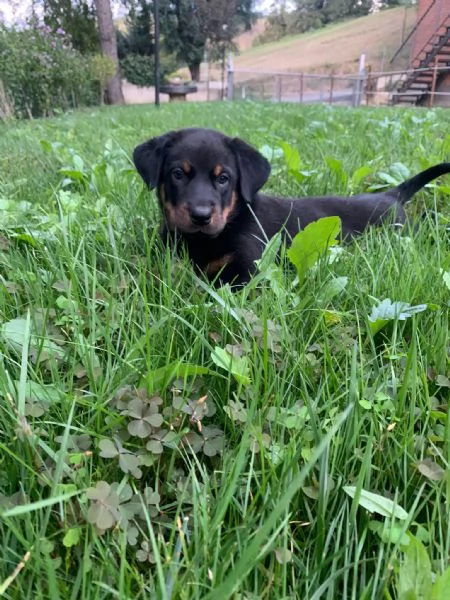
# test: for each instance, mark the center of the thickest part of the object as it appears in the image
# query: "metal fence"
(379, 88)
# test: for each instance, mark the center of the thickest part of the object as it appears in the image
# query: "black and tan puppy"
(208, 184)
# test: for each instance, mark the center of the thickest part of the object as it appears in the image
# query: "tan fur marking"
(186, 166)
(169, 212)
(162, 193)
(229, 209)
(213, 267)
(217, 170)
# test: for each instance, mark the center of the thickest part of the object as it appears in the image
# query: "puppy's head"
(202, 177)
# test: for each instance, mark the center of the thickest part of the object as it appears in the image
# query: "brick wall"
(435, 12)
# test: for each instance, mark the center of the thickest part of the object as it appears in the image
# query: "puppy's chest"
(211, 255)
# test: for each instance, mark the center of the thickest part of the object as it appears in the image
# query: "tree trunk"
(194, 70)
(108, 43)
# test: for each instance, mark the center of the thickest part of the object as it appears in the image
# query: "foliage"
(101, 68)
(41, 72)
(307, 15)
(136, 48)
(164, 439)
(140, 70)
(77, 18)
(138, 36)
(188, 27)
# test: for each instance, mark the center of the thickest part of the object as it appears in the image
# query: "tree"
(108, 43)
(138, 37)
(77, 18)
(188, 25)
(182, 32)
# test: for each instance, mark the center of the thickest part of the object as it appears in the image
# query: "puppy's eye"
(178, 173)
(222, 179)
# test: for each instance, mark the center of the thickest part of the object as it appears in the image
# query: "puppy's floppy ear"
(148, 158)
(254, 169)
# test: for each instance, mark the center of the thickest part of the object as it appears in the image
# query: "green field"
(160, 439)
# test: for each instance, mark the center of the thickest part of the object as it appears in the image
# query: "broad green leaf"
(430, 469)
(446, 278)
(390, 533)
(72, 174)
(386, 311)
(335, 165)
(443, 381)
(375, 503)
(359, 175)
(414, 574)
(159, 377)
(72, 537)
(26, 238)
(14, 331)
(331, 317)
(270, 152)
(441, 586)
(311, 243)
(47, 394)
(292, 157)
(331, 289)
(237, 365)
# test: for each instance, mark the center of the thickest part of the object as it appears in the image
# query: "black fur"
(208, 188)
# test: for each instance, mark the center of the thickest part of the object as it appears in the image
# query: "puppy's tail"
(408, 188)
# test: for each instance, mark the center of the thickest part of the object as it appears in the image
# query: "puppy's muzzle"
(201, 215)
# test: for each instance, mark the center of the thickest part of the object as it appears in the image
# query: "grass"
(118, 478)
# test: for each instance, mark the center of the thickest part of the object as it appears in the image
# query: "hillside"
(337, 47)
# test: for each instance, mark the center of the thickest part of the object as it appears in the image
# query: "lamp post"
(156, 50)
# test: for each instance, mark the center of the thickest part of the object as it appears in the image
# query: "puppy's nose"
(201, 215)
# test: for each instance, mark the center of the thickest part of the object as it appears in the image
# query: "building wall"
(439, 10)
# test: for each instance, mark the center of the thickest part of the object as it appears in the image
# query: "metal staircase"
(429, 64)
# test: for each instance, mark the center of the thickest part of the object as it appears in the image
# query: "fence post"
(230, 78)
(278, 89)
(331, 88)
(433, 83)
(208, 76)
(360, 80)
(301, 88)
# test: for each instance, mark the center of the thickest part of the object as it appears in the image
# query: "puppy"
(207, 186)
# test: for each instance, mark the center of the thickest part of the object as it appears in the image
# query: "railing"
(366, 87)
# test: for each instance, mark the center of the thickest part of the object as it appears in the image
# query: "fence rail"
(366, 87)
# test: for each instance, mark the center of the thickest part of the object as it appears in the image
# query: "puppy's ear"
(254, 169)
(149, 157)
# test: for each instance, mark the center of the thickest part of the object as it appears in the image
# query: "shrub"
(140, 69)
(41, 72)
(101, 68)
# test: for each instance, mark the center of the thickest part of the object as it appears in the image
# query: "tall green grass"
(239, 494)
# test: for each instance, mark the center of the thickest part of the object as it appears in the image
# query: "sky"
(16, 10)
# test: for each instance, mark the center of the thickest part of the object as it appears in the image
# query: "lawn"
(161, 439)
